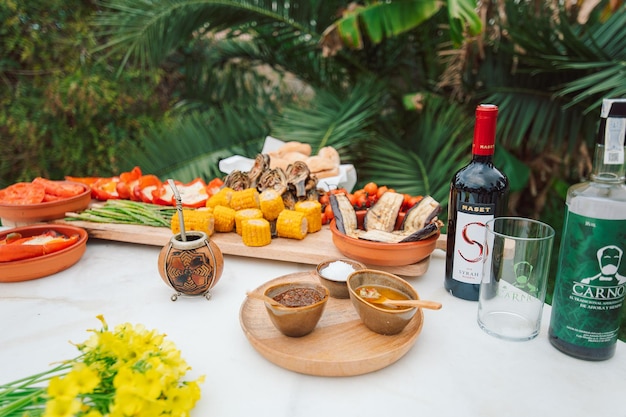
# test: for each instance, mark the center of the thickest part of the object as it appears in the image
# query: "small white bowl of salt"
(333, 274)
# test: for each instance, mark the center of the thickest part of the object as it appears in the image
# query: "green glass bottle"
(591, 276)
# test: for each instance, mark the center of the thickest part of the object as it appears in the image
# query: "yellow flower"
(130, 371)
(129, 402)
(62, 388)
(62, 407)
(85, 379)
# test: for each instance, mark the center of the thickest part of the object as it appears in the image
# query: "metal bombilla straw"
(179, 209)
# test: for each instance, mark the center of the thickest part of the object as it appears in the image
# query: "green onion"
(126, 212)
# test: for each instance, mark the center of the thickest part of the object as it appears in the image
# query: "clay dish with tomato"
(41, 200)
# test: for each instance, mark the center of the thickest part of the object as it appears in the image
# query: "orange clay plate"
(42, 266)
(25, 214)
(340, 345)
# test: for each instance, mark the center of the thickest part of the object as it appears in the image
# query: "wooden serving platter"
(340, 345)
(313, 249)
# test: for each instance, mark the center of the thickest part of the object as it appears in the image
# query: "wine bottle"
(478, 192)
(591, 274)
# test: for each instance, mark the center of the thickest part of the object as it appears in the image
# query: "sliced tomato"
(83, 180)
(105, 189)
(51, 197)
(22, 193)
(62, 189)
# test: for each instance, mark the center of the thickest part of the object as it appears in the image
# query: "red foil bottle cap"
(485, 129)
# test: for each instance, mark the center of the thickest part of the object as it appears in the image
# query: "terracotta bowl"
(296, 321)
(381, 320)
(335, 279)
(383, 254)
(24, 214)
(42, 266)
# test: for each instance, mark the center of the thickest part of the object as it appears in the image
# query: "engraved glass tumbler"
(515, 277)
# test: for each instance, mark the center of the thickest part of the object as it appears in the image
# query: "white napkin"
(346, 178)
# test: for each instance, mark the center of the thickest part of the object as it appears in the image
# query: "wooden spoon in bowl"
(265, 298)
(373, 296)
(431, 305)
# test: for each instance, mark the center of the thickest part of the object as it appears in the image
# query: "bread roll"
(328, 173)
(293, 146)
(331, 153)
(317, 164)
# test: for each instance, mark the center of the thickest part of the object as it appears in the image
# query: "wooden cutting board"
(313, 249)
(340, 345)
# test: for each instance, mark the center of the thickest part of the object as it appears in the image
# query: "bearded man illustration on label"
(609, 259)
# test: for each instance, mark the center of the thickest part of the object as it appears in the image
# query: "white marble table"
(454, 368)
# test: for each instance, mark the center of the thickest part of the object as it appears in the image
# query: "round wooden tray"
(340, 345)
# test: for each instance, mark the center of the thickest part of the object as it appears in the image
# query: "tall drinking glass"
(515, 277)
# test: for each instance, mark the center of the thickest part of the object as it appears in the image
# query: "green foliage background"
(62, 111)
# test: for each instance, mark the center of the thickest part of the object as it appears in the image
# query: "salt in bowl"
(333, 274)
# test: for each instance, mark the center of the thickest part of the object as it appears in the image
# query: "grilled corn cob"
(220, 198)
(291, 224)
(271, 203)
(198, 220)
(245, 214)
(244, 199)
(224, 219)
(256, 232)
(313, 212)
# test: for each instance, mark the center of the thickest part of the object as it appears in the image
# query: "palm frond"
(423, 162)
(149, 31)
(193, 145)
(333, 119)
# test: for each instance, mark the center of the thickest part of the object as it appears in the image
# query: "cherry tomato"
(328, 212)
(371, 188)
(361, 201)
(353, 198)
(414, 200)
(381, 190)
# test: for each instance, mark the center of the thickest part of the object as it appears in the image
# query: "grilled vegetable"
(246, 214)
(224, 219)
(345, 216)
(423, 233)
(256, 232)
(313, 212)
(291, 224)
(421, 214)
(201, 220)
(383, 214)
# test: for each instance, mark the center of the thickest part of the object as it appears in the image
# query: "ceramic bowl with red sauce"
(301, 307)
